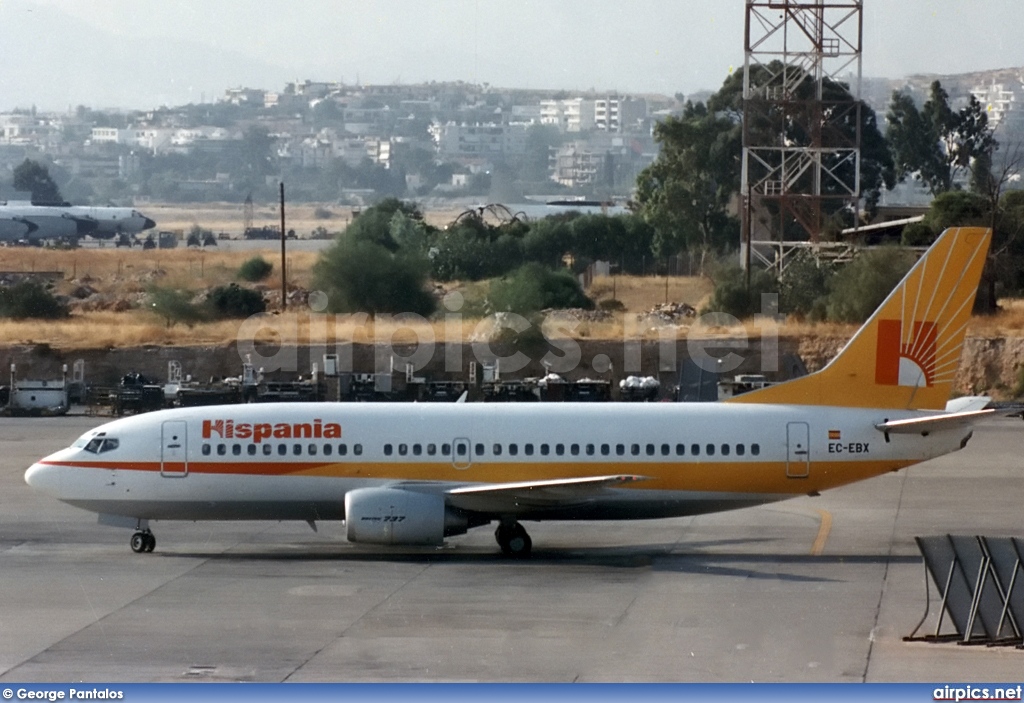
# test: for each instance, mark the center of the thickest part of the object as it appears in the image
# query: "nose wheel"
(513, 539)
(143, 541)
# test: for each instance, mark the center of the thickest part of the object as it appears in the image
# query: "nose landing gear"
(143, 541)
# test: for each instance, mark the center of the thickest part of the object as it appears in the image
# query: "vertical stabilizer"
(906, 355)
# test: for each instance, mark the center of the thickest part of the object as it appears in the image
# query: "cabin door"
(173, 449)
(798, 450)
(462, 453)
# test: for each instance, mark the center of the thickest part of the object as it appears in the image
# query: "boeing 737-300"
(414, 474)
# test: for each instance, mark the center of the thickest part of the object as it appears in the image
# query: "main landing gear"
(513, 539)
(143, 541)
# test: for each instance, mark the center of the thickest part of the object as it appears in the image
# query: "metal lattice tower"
(801, 136)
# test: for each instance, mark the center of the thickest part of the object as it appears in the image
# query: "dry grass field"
(126, 273)
(229, 217)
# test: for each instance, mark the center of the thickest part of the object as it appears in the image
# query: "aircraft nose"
(44, 477)
(148, 223)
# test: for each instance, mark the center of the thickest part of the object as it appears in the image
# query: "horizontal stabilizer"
(934, 423)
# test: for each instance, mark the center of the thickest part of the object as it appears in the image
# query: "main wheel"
(139, 542)
(513, 539)
(150, 542)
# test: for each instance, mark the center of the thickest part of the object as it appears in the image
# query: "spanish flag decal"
(834, 434)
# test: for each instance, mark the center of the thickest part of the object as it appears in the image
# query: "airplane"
(27, 221)
(415, 474)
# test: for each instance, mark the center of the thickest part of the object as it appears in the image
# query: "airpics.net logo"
(409, 340)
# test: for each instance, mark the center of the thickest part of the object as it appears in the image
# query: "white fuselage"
(297, 461)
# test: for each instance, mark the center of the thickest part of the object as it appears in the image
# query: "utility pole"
(284, 276)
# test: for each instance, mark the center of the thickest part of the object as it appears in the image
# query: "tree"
(35, 178)
(936, 144)
(174, 306)
(685, 192)
(799, 124)
(361, 275)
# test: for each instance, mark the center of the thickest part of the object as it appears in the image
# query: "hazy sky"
(143, 53)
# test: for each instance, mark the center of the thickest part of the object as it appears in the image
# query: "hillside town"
(353, 144)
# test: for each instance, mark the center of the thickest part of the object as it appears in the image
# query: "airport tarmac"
(814, 589)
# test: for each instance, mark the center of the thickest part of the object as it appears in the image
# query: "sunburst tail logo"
(905, 362)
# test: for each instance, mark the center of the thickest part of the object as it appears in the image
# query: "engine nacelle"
(397, 516)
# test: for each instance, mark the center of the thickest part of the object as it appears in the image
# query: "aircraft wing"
(933, 423)
(499, 497)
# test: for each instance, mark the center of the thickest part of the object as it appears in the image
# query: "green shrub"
(731, 295)
(533, 287)
(30, 299)
(322, 213)
(255, 269)
(233, 301)
(861, 286)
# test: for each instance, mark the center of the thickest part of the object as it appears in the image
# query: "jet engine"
(398, 516)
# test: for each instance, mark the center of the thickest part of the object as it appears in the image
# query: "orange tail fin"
(907, 353)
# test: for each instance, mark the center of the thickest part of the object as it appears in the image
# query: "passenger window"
(328, 448)
(342, 449)
(403, 449)
(282, 449)
(650, 450)
(741, 449)
(620, 449)
(446, 450)
(680, 450)
(461, 449)
(431, 449)
(634, 449)
(236, 449)
(710, 449)
(695, 449)
(574, 449)
(665, 450)
(312, 449)
(417, 449)
(590, 450)
(357, 449)
(528, 449)
(297, 449)
(544, 449)
(559, 449)
(222, 449)
(267, 449)
(479, 449)
(251, 449)
(725, 450)
(206, 449)
(606, 449)
(513, 449)
(497, 450)
(755, 449)
(388, 449)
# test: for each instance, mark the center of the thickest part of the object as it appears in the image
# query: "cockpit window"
(98, 445)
